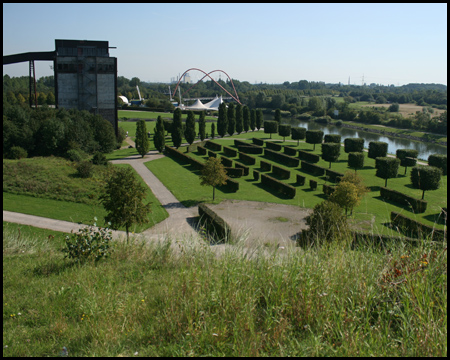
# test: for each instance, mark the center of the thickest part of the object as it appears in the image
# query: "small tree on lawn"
(353, 145)
(142, 142)
(213, 174)
(356, 160)
(231, 115)
(189, 132)
(377, 149)
(439, 161)
(349, 192)
(270, 127)
(408, 157)
(123, 200)
(259, 119)
(177, 128)
(202, 126)
(332, 138)
(284, 130)
(222, 120)
(331, 152)
(314, 137)
(159, 139)
(387, 168)
(426, 178)
(278, 116)
(253, 119)
(298, 133)
(213, 130)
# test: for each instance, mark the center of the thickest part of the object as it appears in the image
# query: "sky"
(269, 43)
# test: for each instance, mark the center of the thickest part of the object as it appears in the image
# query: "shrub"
(247, 159)
(331, 152)
(353, 145)
(281, 172)
(307, 156)
(314, 137)
(377, 149)
(339, 123)
(256, 175)
(413, 228)
(300, 180)
(234, 172)
(270, 127)
(17, 152)
(313, 169)
(88, 243)
(229, 151)
(85, 169)
(265, 166)
(333, 175)
(419, 206)
(99, 159)
(226, 162)
(290, 151)
(273, 146)
(439, 161)
(281, 158)
(279, 186)
(408, 157)
(327, 189)
(212, 154)
(298, 134)
(426, 178)
(242, 166)
(201, 150)
(313, 184)
(356, 160)
(250, 149)
(213, 146)
(284, 130)
(332, 138)
(258, 141)
(386, 168)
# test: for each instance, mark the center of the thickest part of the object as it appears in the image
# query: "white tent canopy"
(197, 106)
(213, 105)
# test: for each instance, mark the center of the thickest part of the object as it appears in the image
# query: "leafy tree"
(327, 223)
(394, 107)
(331, 152)
(123, 200)
(189, 132)
(239, 118)
(270, 127)
(259, 118)
(222, 120)
(377, 149)
(104, 133)
(213, 130)
(316, 105)
(253, 119)
(345, 195)
(356, 160)
(314, 137)
(202, 126)
(387, 168)
(177, 128)
(356, 180)
(142, 142)
(278, 116)
(213, 174)
(408, 157)
(298, 133)
(284, 130)
(353, 145)
(426, 178)
(231, 115)
(159, 138)
(246, 116)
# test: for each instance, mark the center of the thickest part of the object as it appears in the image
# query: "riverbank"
(428, 137)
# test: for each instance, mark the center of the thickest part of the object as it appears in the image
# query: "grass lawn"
(372, 214)
(48, 187)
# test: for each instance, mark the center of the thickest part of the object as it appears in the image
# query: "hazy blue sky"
(272, 43)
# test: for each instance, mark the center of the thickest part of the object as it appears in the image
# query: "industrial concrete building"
(85, 76)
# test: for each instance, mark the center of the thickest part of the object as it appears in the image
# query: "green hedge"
(281, 158)
(307, 156)
(201, 150)
(353, 145)
(226, 162)
(288, 150)
(214, 224)
(377, 149)
(213, 146)
(313, 184)
(232, 185)
(278, 186)
(250, 149)
(265, 166)
(415, 229)
(333, 175)
(418, 205)
(439, 161)
(258, 141)
(281, 172)
(242, 166)
(313, 169)
(301, 180)
(332, 138)
(328, 189)
(234, 172)
(256, 175)
(273, 146)
(229, 151)
(212, 154)
(247, 159)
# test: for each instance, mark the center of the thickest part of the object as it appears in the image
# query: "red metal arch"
(207, 74)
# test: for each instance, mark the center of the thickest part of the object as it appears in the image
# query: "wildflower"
(135, 354)
(19, 314)
(215, 334)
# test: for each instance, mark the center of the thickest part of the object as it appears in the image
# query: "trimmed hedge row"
(201, 150)
(279, 186)
(281, 172)
(313, 169)
(232, 185)
(242, 166)
(215, 225)
(247, 159)
(307, 156)
(273, 146)
(256, 175)
(300, 180)
(418, 205)
(258, 141)
(333, 175)
(265, 166)
(212, 154)
(234, 172)
(229, 151)
(413, 228)
(290, 151)
(251, 149)
(213, 146)
(281, 158)
(226, 162)
(313, 184)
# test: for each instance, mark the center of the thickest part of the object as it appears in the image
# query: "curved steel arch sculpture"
(208, 74)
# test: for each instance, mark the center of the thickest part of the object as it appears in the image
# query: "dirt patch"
(407, 110)
(263, 223)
